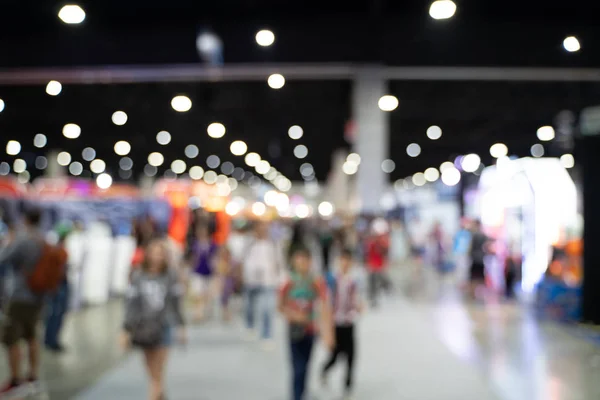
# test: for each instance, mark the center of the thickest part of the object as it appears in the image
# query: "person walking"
(202, 283)
(152, 312)
(299, 298)
(347, 305)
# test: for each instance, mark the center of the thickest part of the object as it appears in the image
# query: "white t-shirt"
(237, 245)
(262, 263)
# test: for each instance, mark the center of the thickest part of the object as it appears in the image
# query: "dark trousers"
(377, 281)
(344, 344)
(300, 350)
(58, 306)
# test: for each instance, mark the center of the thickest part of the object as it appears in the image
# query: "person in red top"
(377, 251)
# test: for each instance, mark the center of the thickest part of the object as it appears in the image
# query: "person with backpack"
(304, 303)
(152, 312)
(38, 269)
(347, 305)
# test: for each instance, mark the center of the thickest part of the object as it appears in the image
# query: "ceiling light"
(196, 172)
(307, 169)
(210, 177)
(567, 160)
(388, 166)
(216, 130)
(498, 150)
(119, 118)
(53, 88)
(150, 170)
(571, 44)
(125, 174)
(88, 154)
(126, 163)
(227, 168)
(270, 198)
(263, 167)
(191, 151)
(238, 148)
(413, 150)
(537, 150)
(41, 162)
(178, 166)
(156, 159)
(252, 159)
(388, 103)
(19, 165)
(470, 163)
(76, 168)
(442, 9)
(232, 208)
(239, 173)
(181, 103)
(98, 166)
(302, 211)
(163, 137)
(71, 131)
(545, 133)
(276, 81)
(63, 158)
(326, 209)
(24, 177)
(13, 147)
(4, 168)
(71, 14)
(122, 148)
(434, 132)
(2, 105)
(295, 132)
(104, 181)
(419, 179)
(40, 140)
(432, 174)
(301, 151)
(446, 165)
(451, 176)
(354, 158)
(259, 209)
(350, 168)
(213, 161)
(272, 174)
(265, 38)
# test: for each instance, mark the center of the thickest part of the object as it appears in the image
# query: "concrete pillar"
(371, 140)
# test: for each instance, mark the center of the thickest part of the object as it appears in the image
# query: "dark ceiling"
(473, 115)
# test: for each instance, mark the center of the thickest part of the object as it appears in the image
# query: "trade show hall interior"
(412, 186)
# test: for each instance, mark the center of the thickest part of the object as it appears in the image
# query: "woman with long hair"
(153, 311)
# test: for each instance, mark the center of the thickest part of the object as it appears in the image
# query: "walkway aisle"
(400, 359)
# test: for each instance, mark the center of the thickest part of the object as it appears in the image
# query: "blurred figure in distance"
(478, 251)
(202, 284)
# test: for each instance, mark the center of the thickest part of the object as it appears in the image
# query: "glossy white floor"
(425, 343)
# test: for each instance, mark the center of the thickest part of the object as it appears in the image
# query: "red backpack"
(49, 270)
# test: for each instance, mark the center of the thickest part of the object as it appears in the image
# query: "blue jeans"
(300, 351)
(58, 306)
(260, 301)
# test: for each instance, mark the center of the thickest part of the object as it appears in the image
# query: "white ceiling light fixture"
(413, 150)
(181, 103)
(210, 177)
(19, 165)
(122, 148)
(307, 169)
(191, 151)
(354, 158)
(302, 211)
(388, 103)
(301, 151)
(71, 14)
(326, 209)
(276, 81)
(432, 174)
(63, 158)
(71, 131)
(4, 168)
(419, 179)
(76, 168)
(2, 105)
(262, 167)
(227, 168)
(213, 161)
(163, 138)
(233, 208)
(451, 176)
(265, 38)
(53, 88)
(216, 130)
(388, 166)
(88, 154)
(238, 148)
(434, 132)
(571, 44)
(470, 163)
(41, 162)
(150, 170)
(178, 166)
(259, 209)
(442, 9)
(98, 166)
(546, 133)
(24, 177)
(350, 168)
(567, 161)
(295, 132)
(104, 181)
(156, 159)
(446, 165)
(40, 140)
(252, 159)
(196, 172)
(537, 150)
(126, 163)
(119, 118)
(498, 150)
(13, 147)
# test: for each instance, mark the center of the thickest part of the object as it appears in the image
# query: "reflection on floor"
(425, 343)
